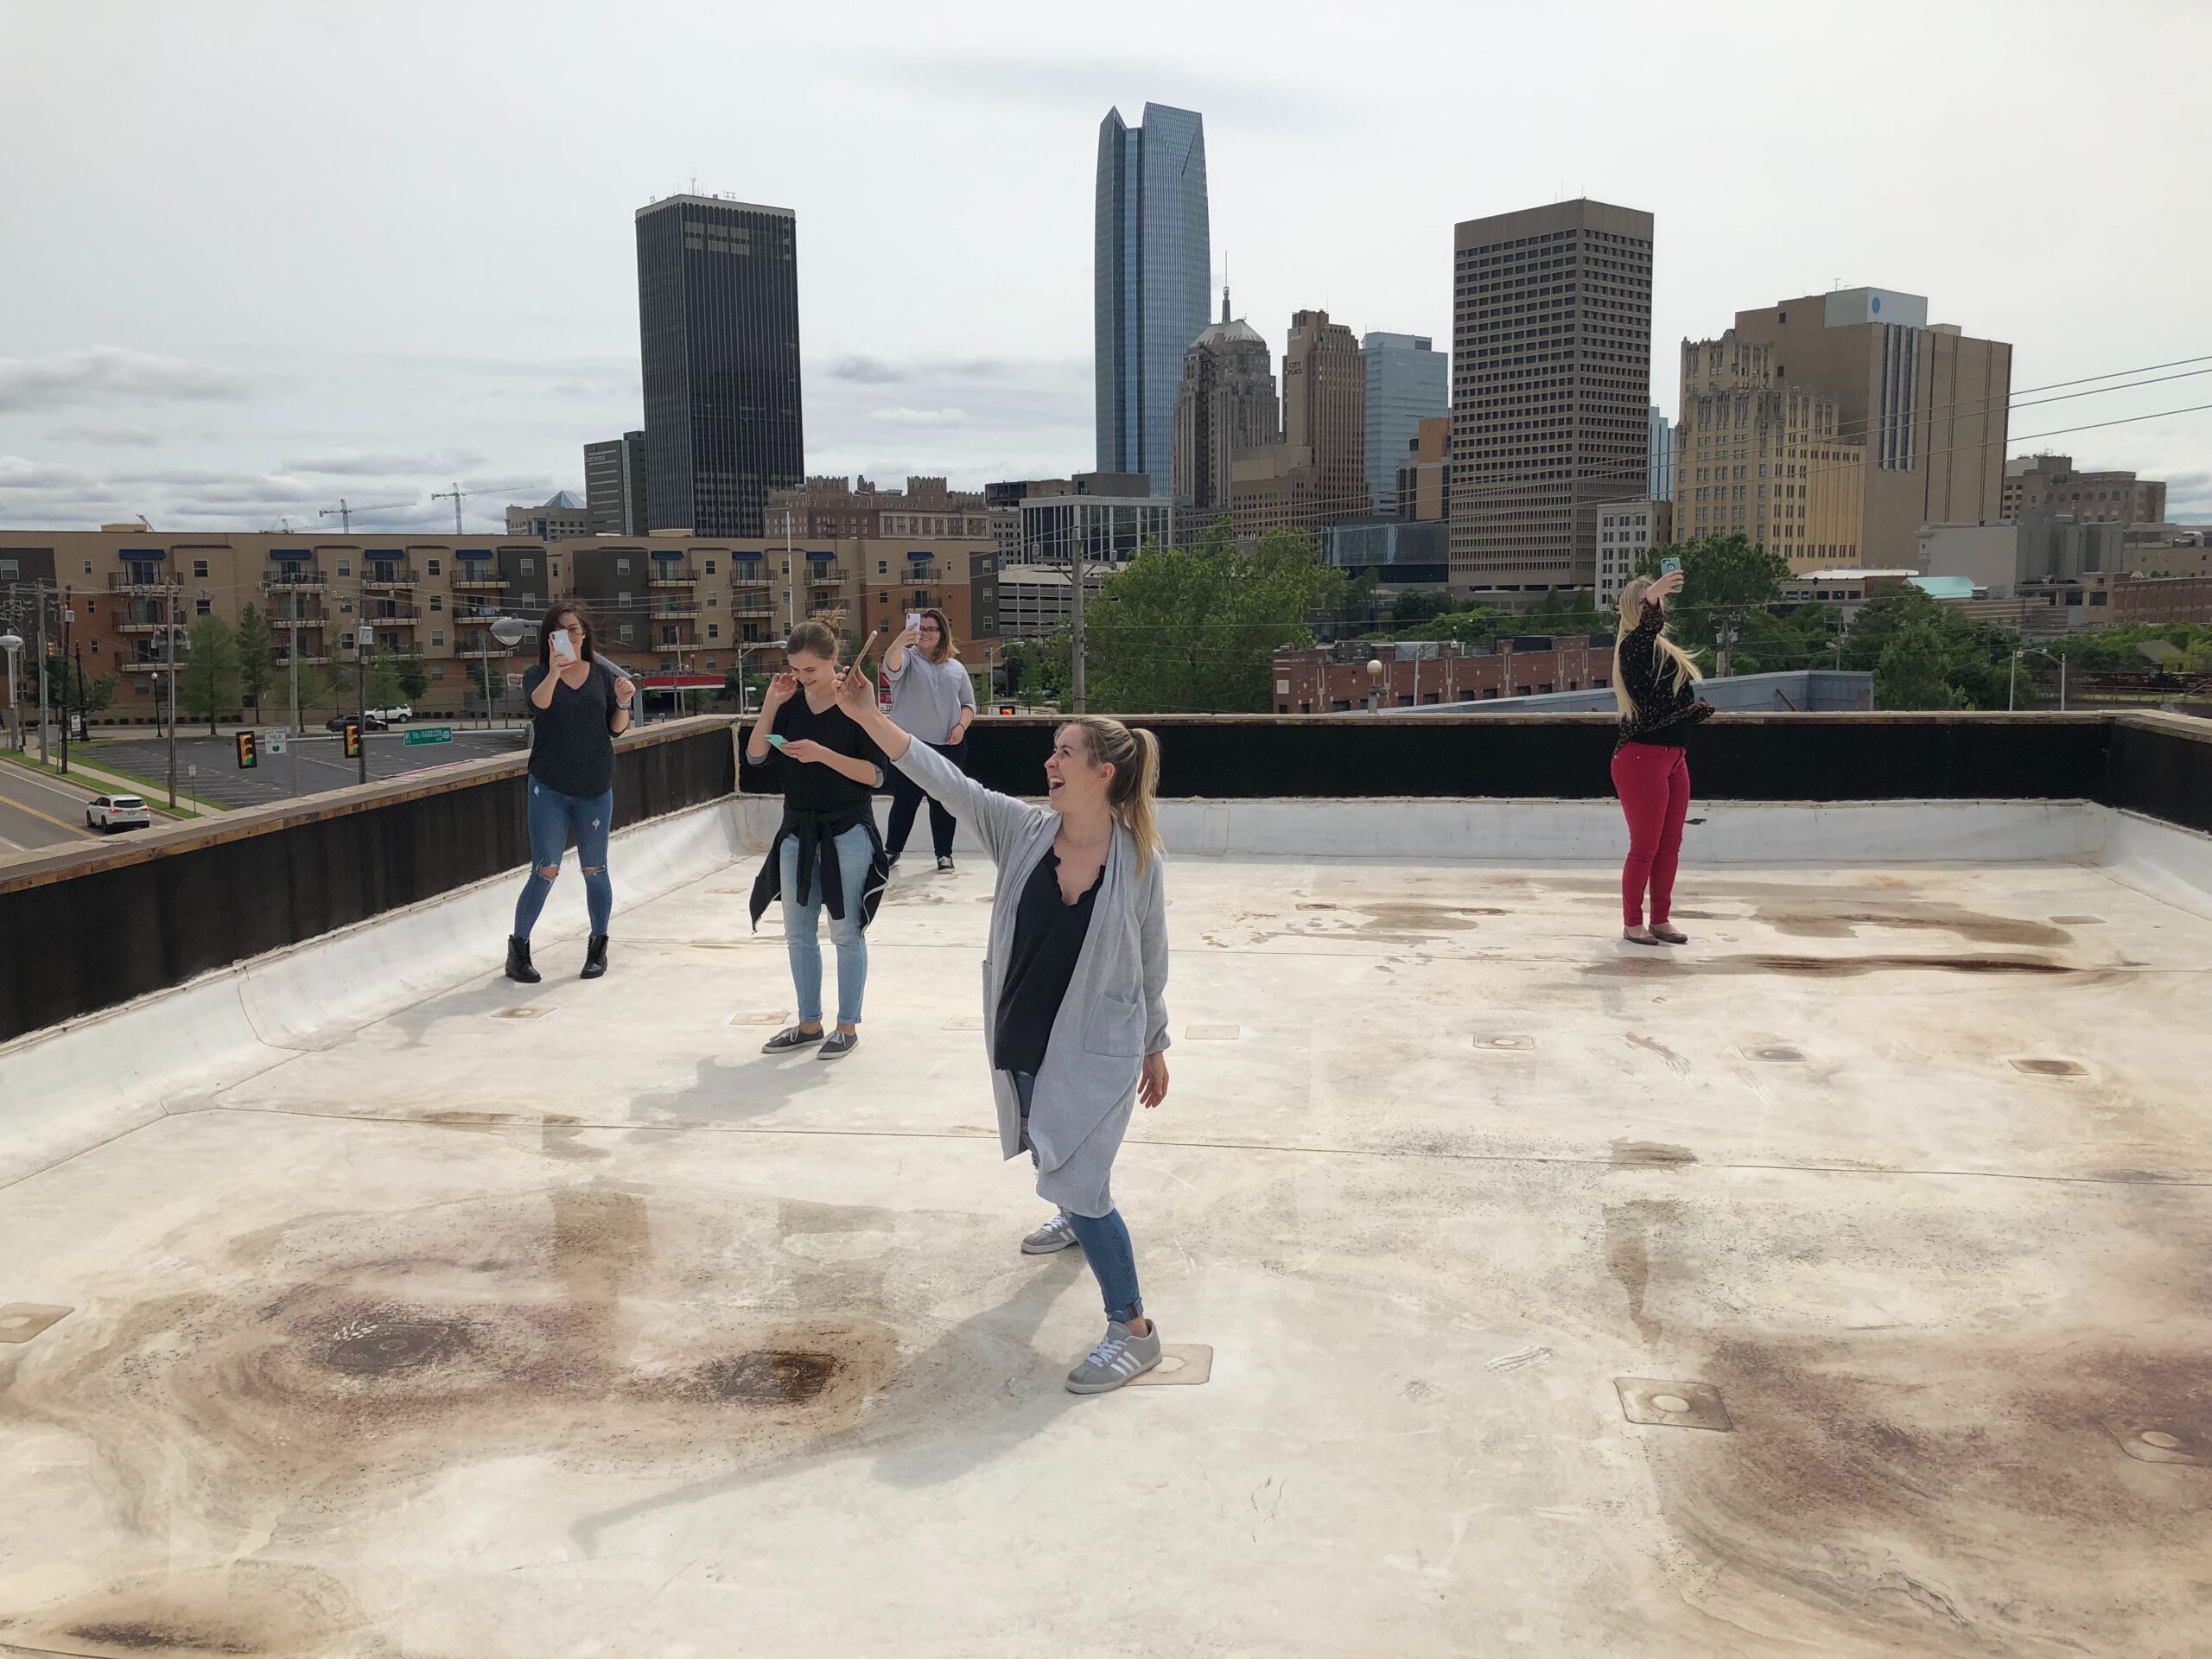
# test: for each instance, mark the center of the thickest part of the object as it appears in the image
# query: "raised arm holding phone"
(579, 704)
(1075, 986)
(931, 699)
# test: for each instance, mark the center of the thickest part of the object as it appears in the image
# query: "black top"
(1664, 711)
(1048, 935)
(809, 786)
(573, 752)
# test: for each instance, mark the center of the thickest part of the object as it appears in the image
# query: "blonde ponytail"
(1685, 665)
(1135, 756)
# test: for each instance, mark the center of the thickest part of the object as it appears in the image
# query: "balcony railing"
(683, 611)
(668, 573)
(491, 653)
(122, 581)
(466, 582)
(395, 620)
(826, 576)
(750, 607)
(276, 582)
(387, 580)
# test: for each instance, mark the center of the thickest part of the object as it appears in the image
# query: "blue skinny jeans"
(802, 930)
(1105, 1239)
(553, 818)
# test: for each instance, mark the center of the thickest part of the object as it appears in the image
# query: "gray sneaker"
(1055, 1234)
(1118, 1357)
(838, 1044)
(791, 1037)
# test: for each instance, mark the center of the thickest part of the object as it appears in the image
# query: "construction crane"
(344, 513)
(457, 495)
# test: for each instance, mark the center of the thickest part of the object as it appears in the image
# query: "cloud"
(109, 373)
(107, 437)
(20, 472)
(918, 417)
(355, 463)
(866, 370)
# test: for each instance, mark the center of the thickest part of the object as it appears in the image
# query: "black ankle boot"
(519, 967)
(594, 957)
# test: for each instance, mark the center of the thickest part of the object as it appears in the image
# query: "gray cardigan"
(1115, 1011)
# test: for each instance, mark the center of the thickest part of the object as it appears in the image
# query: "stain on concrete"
(1811, 967)
(1639, 1154)
(263, 1609)
(1925, 1492)
(1630, 1230)
(1675, 1063)
(1841, 920)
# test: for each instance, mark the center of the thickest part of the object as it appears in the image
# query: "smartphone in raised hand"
(1668, 567)
(563, 648)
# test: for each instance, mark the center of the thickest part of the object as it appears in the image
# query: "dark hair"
(552, 622)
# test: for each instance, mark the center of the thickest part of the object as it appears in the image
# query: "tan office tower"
(1226, 403)
(1928, 404)
(1325, 409)
(1551, 390)
(1766, 459)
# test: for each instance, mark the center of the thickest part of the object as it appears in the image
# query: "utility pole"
(361, 699)
(41, 676)
(292, 662)
(168, 641)
(68, 616)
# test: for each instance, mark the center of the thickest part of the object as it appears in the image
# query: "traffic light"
(249, 752)
(352, 740)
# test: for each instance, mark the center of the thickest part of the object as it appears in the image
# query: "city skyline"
(366, 319)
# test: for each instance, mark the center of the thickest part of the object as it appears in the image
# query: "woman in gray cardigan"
(1075, 1011)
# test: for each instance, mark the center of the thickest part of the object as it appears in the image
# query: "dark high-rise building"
(615, 486)
(1551, 389)
(718, 331)
(1151, 260)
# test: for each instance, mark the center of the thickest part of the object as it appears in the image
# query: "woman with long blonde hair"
(1653, 678)
(1075, 1010)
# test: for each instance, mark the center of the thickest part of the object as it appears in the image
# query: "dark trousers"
(907, 797)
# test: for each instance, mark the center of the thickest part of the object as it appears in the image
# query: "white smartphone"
(913, 622)
(564, 649)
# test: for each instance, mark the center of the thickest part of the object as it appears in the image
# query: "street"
(323, 762)
(37, 813)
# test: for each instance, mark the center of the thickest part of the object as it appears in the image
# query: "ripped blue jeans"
(553, 818)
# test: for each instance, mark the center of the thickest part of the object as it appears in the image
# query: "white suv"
(394, 715)
(116, 812)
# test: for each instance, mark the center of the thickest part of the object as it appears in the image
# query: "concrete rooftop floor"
(595, 1333)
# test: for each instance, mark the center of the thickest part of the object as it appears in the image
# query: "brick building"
(1323, 682)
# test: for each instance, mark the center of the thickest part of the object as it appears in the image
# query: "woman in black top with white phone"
(826, 853)
(579, 704)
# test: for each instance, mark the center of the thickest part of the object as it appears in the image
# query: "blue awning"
(744, 553)
(824, 557)
(387, 552)
(291, 553)
(668, 552)
(136, 554)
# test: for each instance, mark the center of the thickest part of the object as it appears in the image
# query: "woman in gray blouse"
(933, 699)
(1075, 1010)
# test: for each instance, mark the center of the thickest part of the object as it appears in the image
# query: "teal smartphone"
(775, 740)
(1668, 567)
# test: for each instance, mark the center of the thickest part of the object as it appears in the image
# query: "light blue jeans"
(554, 818)
(1105, 1239)
(802, 925)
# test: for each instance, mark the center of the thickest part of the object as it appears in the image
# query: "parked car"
(116, 812)
(371, 721)
(394, 715)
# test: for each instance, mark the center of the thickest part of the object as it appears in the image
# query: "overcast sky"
(257, 256)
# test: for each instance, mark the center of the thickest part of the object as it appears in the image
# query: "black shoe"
(594, 957)
(519, 967)
(944, 861)
(791, 1037)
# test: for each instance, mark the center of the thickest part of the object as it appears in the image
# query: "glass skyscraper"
(718, 331)
(1150, 281)
(1409, 381)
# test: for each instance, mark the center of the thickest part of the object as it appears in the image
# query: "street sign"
(429, 735)
(275, 743)
(514, 682)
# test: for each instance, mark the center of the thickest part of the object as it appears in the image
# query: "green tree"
(1418, 605)
(1038, 671)
(384, 689)
(414, 677)
(1725, 578)
(1477, 626)
(314, 690)
(1196, 629)
(208, 683)
(1570, 611)
(257, 649)
(1910, 673)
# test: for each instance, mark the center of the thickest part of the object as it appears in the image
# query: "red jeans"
(1653, 780)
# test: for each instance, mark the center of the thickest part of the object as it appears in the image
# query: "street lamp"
(13, 644)
(1374, 685)
(509, 632)
(2012, 679)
